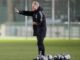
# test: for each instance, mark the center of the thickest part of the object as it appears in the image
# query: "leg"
(40, 43)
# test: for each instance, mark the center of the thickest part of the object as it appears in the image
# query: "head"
(35, 5)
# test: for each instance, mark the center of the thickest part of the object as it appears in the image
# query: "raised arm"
(23, 12)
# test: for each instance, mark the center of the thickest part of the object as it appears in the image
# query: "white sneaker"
(44, 57)
(41, 57)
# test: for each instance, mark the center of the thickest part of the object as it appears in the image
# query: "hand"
(16, 10)
(34, 23)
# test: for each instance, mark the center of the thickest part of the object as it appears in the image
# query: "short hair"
(36, 3)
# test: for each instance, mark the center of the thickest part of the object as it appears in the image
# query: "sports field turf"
(26, 49)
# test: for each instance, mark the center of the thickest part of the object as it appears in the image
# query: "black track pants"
(40, 43)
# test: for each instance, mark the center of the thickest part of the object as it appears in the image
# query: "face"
(35, 6)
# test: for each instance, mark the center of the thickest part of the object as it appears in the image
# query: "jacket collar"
(39, 9)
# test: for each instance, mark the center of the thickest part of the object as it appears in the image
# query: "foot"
(41, 58)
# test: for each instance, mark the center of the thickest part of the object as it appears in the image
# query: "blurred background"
(62, 17)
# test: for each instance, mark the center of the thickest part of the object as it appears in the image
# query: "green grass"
(26, 49)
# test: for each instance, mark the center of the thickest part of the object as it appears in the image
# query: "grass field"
(26, 49)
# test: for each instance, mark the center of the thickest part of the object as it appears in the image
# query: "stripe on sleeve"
(41, 16)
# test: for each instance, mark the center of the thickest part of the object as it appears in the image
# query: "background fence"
(53, 30)
(62, 17)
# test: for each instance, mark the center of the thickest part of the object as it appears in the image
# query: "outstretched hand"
(16, 10)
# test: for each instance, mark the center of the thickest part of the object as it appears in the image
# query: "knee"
(40, 40)
(39, 43)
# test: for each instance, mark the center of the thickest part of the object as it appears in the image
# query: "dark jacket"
(38, 17)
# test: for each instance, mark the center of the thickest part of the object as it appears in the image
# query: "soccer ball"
(67, 57)
(62, 57)
(55, 57)
(50, 57)
(59, 57)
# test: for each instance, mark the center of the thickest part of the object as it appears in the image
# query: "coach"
(39, 24)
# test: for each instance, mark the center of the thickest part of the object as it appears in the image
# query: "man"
(39, 24)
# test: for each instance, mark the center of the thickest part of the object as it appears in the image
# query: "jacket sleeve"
(26, 13)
